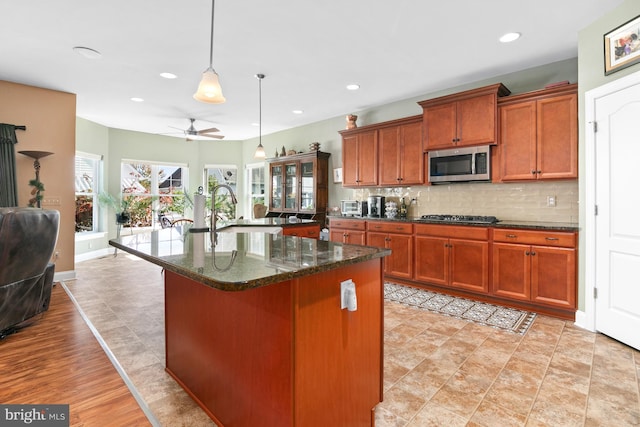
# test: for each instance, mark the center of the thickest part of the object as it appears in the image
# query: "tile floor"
(438, 370)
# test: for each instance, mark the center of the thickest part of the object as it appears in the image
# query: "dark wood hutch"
(299, 185)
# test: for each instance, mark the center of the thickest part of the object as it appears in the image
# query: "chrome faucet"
(214, 213)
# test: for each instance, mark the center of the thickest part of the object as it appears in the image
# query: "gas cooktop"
(469, 219)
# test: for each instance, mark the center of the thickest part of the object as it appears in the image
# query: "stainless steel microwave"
(460, 164)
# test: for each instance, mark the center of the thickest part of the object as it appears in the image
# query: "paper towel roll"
(198, 250)
(199, 201)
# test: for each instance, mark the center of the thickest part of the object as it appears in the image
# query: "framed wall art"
(622, 46)
(337, 175)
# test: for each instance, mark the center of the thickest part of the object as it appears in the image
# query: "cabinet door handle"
(511, 236)
(533, 172)
(538, 172)
(551, 238)
(533, 254)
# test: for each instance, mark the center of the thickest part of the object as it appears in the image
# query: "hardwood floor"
(58, 360)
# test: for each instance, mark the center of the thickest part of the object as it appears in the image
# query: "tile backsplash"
(526, 201)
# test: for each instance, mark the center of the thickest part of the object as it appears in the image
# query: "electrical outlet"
(551, 201)
(51, 201)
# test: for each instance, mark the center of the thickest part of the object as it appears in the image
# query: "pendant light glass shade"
(209, 89)
(260, 154)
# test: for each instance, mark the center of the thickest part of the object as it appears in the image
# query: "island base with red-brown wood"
(285, 354)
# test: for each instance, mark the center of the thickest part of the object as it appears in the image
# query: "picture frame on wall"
(337, 175)
(622, 46)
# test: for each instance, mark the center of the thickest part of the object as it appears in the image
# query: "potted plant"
(120, 206)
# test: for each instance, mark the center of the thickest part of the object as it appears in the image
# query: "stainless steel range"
(468, 219)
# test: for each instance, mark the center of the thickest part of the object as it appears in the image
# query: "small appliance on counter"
(376, 205)
(353, 208)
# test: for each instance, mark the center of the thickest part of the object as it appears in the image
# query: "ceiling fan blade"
(210, 130)
(180, 129)
(214, 136)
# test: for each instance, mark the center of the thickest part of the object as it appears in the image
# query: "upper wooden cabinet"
(539, 135)
(385, 154)
(299, 184)
(462, 119)
(359, 158)
(400, 159)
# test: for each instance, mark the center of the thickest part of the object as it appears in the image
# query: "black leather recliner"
(27, 240)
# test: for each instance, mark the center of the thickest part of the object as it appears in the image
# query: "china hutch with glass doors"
(299, 185)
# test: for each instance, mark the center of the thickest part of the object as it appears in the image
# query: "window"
(87, 177)
(255, 186)
(149, 188)
(222, 174)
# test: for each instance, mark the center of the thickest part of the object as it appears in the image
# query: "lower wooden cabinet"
(525, 268)
(350, 231)
(535, 266)
(399, 238)
(452, 256)
(311, 231)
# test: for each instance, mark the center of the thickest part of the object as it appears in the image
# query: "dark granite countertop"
(263, 222)
(533, 225)
(242, 260)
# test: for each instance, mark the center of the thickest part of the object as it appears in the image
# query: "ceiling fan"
(191, 131)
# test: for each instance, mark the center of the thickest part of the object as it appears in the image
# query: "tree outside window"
(222, 174)
(154, 192)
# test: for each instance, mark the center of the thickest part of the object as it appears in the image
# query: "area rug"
(509, 319)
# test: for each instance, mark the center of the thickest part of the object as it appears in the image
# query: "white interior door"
(617, 223)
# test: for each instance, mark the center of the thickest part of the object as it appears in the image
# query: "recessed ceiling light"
(87, 52)
(297, 111)
(353, 86)
(509, 37)
(255, 124)
(168, 75)
(134, 99)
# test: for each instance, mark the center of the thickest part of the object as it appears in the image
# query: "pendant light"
(260, 154)
(209, 89)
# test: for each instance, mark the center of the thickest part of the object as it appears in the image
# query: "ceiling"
(309, 51)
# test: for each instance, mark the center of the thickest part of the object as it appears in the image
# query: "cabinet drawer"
(312, 231)
(349, 224)
(530, 237)
(453, 231)
(390, 227)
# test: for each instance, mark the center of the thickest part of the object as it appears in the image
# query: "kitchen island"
(255, 329)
